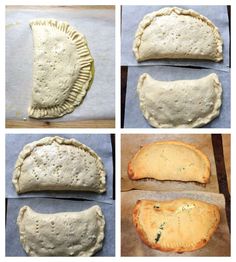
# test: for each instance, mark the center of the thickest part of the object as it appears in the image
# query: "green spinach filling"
(159, 232)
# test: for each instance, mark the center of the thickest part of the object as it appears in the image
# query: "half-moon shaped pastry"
(179, 225)
(170, 160)
(63, 68)
(182, 103)
(176, 33)
(55, 163)
(61, 234)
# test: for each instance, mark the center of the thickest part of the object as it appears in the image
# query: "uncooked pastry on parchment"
(132, 15)
(133, 115)
(130, 144)
(181, 103)
(131, 245)
(63, 234)
(98, 142)
(192, 36)
(99, 102)
(51, 205)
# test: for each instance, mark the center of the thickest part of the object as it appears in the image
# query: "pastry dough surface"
(61, 234)
(182, 103)
(177, 33)
(55, 163)
(170, 160)
(62, 70)
(179, 225)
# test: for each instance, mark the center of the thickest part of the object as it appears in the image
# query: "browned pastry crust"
(180, 225)
(170, 160)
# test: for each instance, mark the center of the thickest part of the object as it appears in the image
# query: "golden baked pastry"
(179, 225)
(170, 160)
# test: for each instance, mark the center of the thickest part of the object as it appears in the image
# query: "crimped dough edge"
(83, 82)
(147, 20)
(198, 122)
(188, 248)
(47, 141)
(135, 176)
(92, 251)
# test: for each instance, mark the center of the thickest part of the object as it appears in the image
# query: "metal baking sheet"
(131, 245)
(132, 15)
(44, 205)
(226, 139)
(131, 143)
(133, 115)
(100, 143)
(97, 23)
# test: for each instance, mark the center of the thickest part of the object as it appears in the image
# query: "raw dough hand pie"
(55, 163)
(179, 225)
(182, 103)
(62, 71)
(170, 160)
(61, 234)
(173, 33)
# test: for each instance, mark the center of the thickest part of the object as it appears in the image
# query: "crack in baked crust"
(180, 225)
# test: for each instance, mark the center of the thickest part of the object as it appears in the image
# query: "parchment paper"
(130, 144)
(98, 26)
(131, 245)
(13, 245)
(100, 143)
(132, 16)
(133, 115)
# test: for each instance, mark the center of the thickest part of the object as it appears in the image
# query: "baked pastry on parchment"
(61, 234)
(181, 103)
(179, 225)
(177, 33)
(63, 68)
(55, 163)
(170, 160)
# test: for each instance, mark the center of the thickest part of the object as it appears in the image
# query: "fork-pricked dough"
(55, 163)
(61, 234)
(179, 225)
(175, 33)
(182, 103)
(62, 71)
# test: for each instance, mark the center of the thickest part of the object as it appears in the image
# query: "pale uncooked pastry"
(173, 33)
(170, 160)
(179, 225)
(62, 71)
(182, 103)
(55, 163)
(61, 234)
